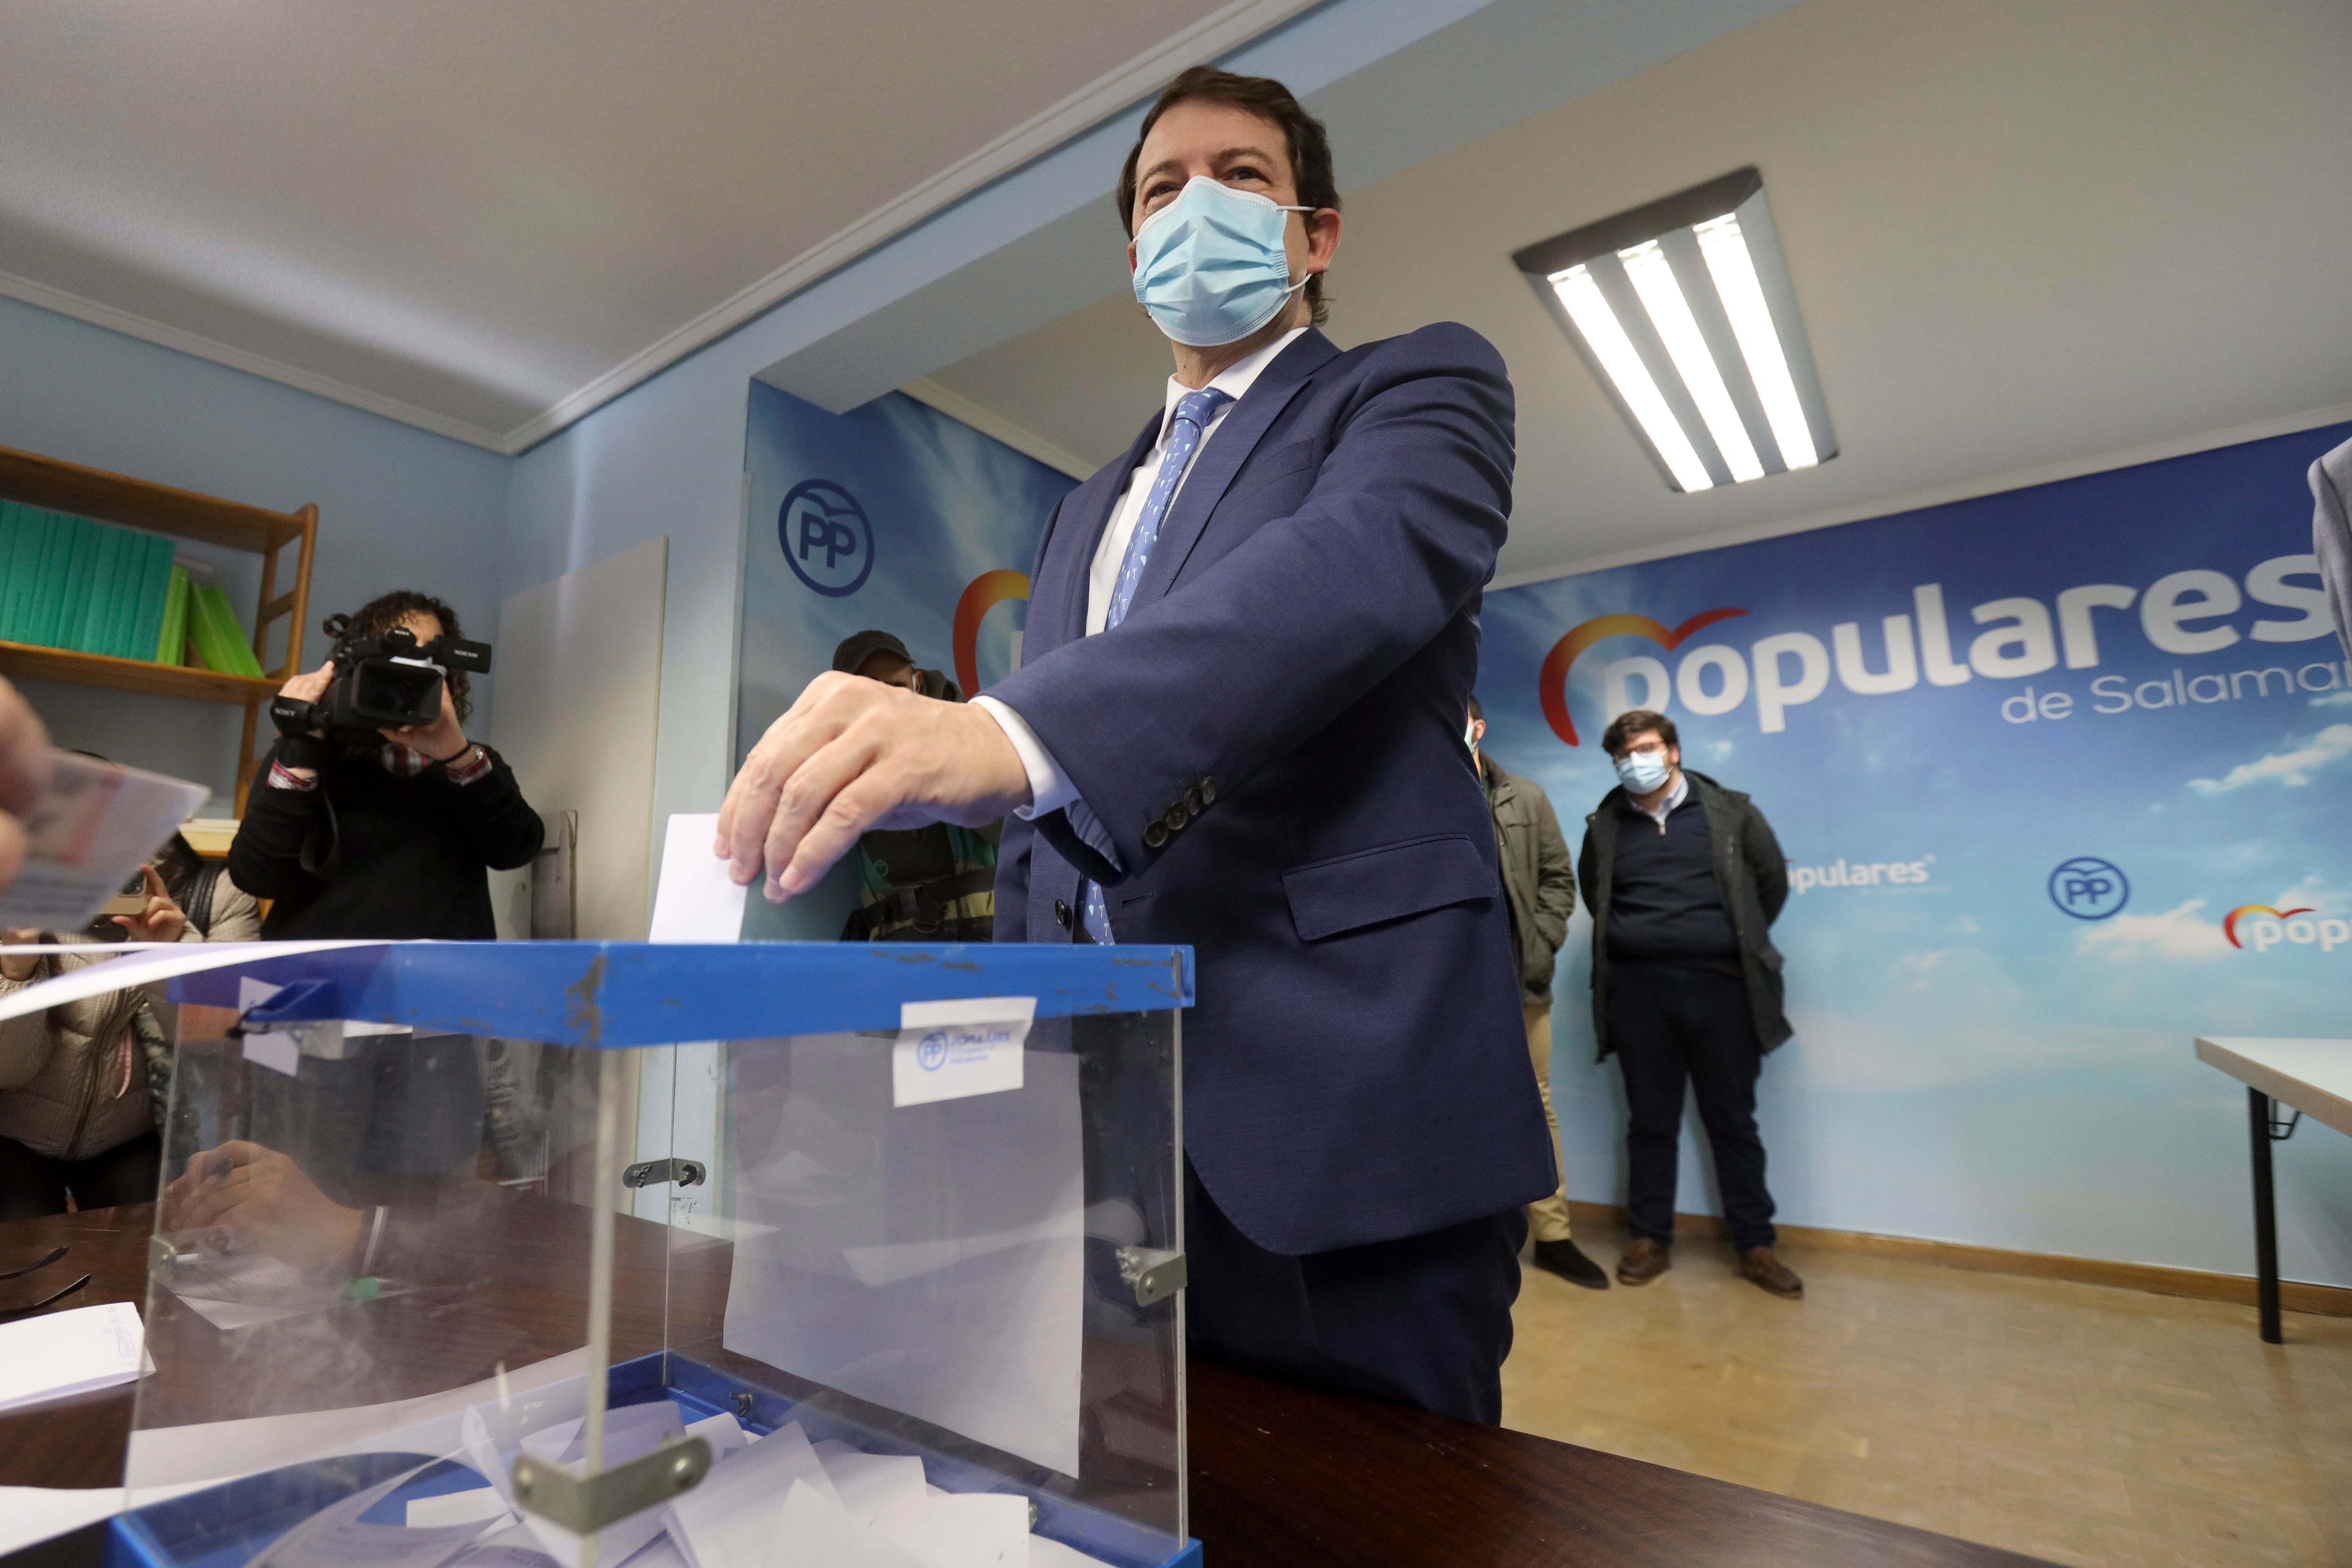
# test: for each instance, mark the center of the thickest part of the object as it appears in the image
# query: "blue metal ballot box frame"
(513, 1227)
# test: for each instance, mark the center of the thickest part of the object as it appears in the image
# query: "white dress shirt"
(1050, 788)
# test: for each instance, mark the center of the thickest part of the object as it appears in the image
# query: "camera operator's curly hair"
(385, 611)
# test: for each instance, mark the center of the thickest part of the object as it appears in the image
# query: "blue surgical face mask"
(1209, 266)
(1641, 772)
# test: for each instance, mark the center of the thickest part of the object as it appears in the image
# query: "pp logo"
(931, 1051)
(827, 541)
(2089, 888)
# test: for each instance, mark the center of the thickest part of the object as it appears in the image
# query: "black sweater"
(1665, 905)
(414, 851)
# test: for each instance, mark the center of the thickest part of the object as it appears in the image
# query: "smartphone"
(128, 899)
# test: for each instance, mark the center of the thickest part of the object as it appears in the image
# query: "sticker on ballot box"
(947, 1050)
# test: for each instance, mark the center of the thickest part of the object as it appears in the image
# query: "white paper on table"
(87, 836)
(726, 1522)
(143, 962)
(694, 901)
(1045, 1552)
(950, 1049)
(482, 1506)
(813, 1529)
(73, 1351)
(973, 1317)
(963, 1529)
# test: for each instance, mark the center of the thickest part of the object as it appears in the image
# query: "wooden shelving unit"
(94, 493)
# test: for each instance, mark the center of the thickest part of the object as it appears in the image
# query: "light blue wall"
(397, 508)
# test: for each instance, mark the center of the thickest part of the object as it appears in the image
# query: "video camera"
(388, 681)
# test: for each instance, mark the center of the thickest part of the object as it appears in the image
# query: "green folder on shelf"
(105, 581)
(22, 534)
(60, 538)
(171, 640)
(78, 584)
(142, 621)
(220, 641)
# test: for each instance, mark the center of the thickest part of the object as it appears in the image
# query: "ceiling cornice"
(989, 422)
(131, 325)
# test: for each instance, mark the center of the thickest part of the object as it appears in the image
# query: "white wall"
(397, 508)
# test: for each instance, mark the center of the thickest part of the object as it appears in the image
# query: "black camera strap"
(323, 846)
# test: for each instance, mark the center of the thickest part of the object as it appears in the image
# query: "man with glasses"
(1684, 880)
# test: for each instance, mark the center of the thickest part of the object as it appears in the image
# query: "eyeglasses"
(18, 1309)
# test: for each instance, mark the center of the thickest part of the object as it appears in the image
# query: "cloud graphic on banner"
(2292, 769)
(1551, 681)
(2180, 931)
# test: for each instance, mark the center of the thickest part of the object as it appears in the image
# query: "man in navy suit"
(1249, 645)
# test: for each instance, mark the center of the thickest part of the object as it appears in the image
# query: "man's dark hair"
(1310, 146)
(385, 611)
(1635, 721)
(1474, 711)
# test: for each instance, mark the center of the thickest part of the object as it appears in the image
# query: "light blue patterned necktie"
(1194, 412)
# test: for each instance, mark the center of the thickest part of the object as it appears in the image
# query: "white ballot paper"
(87, 835)
(73, 1351)
(942, 1272)
(694, 901)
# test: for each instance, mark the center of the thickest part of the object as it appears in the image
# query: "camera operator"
(389, 832)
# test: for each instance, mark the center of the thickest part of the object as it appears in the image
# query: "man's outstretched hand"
(854, 754)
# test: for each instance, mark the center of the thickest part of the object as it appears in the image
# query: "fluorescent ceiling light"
(1653, 279)
(1684, 310)
(1734, 271)
(1597, 322)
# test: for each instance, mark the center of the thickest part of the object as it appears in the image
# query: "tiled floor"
(2077, 1423)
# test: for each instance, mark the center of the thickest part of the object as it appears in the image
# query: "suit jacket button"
(1177, 817)
(1062, 913)
(1155, 834)
(1208, 788)
(1196, 800)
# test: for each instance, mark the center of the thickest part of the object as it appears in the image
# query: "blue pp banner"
(893, 518)
(2064, 778)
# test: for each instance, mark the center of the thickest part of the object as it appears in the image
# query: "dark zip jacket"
(1749, 872)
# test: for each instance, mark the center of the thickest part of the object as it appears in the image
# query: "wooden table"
(2311, 1077)
(1282, 1477)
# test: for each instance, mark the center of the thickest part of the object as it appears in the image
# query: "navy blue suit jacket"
(1272, 741)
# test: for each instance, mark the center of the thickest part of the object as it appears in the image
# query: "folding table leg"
(2266, 1276)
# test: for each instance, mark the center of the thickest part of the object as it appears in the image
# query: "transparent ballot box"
(485, 1256)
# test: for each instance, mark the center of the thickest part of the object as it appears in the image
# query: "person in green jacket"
(1539, 890)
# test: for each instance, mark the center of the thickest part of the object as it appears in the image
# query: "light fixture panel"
(1684, 311)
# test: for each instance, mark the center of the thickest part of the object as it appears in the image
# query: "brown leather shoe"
(1644, 1261)
(1770, 1274)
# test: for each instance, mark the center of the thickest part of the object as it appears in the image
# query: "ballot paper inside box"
(500, 1256)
